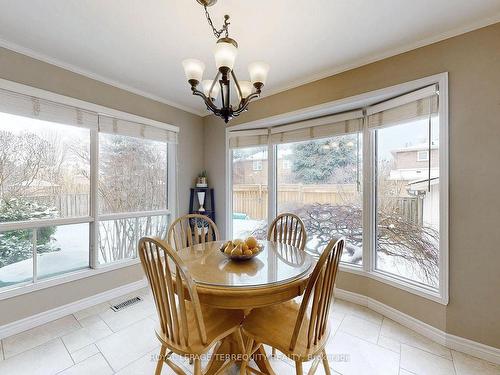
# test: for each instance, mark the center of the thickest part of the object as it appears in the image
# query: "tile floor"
(99, 341)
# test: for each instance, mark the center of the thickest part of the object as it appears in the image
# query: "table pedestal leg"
(260, 358)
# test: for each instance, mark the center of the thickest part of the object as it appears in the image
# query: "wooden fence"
(68, 205)
(252, 199)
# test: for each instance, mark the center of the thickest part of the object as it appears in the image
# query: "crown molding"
(86, 73)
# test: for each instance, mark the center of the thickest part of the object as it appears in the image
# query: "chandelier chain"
(225, 27)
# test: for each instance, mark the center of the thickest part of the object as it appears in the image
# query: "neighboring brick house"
(253, 169)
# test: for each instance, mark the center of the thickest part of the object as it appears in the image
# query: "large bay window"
(376, 176)
(77, 188)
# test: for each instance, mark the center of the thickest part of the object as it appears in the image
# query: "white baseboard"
(58, 312)
(476, 349)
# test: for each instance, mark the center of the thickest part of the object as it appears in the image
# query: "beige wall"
(473, 63)
(28, 71)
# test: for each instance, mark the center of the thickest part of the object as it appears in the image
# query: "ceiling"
(139, 44)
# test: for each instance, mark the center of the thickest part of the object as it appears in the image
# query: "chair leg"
(197, 366)
(161, 360)
(274, 353)
(246, 356)
(298, 368)
(326, 365)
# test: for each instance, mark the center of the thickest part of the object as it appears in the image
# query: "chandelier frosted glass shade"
(206, 83)
(258, 72)
(225, 53)
(246, 89)
(193, 69)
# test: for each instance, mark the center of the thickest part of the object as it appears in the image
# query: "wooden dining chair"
(271, 325)
(185, 327)
(191, 230)
(288, 228)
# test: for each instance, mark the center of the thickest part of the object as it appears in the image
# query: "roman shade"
(112, 125)
(322, 127)
(416, 105)
(45, 110)
(248, 138)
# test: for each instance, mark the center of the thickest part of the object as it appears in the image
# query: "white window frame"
(367, 269)
(419, 155)
(94, 217)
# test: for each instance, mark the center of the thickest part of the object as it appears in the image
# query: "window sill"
(395, 282)
(28, 287)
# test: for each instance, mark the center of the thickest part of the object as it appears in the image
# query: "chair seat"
(218, 322)
(274, 326)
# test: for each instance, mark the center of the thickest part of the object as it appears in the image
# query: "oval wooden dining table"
(278, 274)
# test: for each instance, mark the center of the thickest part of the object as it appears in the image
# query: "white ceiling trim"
(75, 69)
(377, 57)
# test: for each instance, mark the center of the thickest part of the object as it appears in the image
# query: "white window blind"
(322, 127)
(419, 104)
(45, 110)
(113, 125)
(248, 138)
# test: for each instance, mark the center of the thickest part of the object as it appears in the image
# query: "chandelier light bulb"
(225, 53)
(193, 69)
(258, 72)
(206, 83)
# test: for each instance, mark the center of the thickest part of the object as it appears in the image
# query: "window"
(407, 202)
(43, 186)
(323, 187)
(249, 205)
(132, 179)
(423, 155)
(72, 181)
(376, 176)
(257, 165)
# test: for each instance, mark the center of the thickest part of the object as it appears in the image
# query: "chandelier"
(225, 53)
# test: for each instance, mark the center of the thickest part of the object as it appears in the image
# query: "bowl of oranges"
(241, 249)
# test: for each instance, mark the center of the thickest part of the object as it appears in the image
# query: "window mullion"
(94, 176)
(35, 260)
(271, 182)
(368, 197)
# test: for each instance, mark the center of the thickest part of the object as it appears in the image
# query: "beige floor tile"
(422, 362)
(146, 365)
(361, 328)
(36, 336)
(1, 350)
(396, 331)
(468, 365)
(93, 310)
(94, 328)
(390, 344)
(402, 371)
(124, 347)
(363, 312)
(48, 358)
(121, 319)
(84, 353)
(95, 365)
(351, 355)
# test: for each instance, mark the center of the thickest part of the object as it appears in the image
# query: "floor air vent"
(127, 303)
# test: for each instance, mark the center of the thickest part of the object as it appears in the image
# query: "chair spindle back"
(320, 288)
(288, 228)
(170, 281)
(192, 229)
